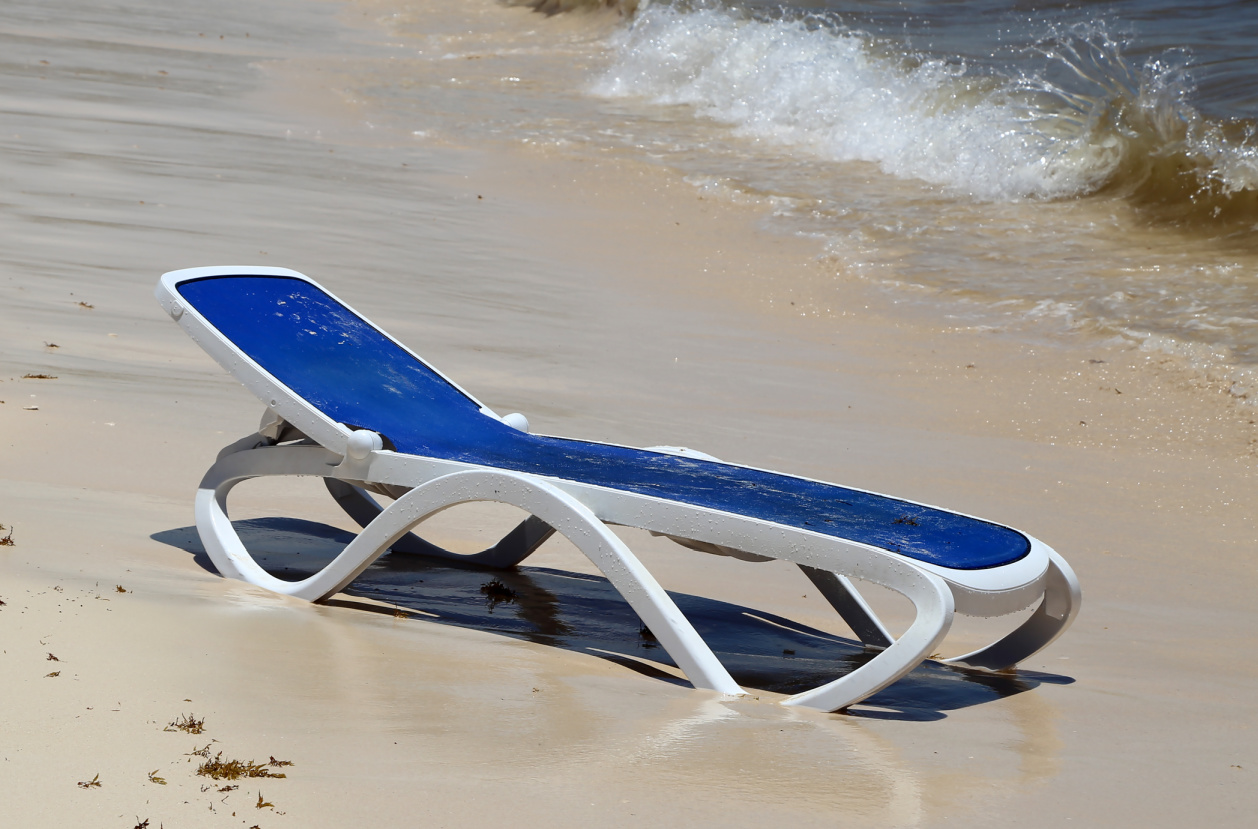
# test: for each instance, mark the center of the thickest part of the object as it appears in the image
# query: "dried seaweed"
(220, 769)
(189, 723)
(6, 541)
(39, 377)
(153, 778)
(94, 783)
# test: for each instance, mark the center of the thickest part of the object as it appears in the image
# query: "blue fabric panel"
(356, 375)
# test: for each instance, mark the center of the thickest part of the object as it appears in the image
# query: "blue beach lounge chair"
(348, 403)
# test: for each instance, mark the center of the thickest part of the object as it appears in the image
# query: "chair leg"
(933, 600)
(842, 596)
(514, 547)
(551, 505)
(356, 502)
(1062, 597)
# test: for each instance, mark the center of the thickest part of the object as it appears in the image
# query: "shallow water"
(1059, 169)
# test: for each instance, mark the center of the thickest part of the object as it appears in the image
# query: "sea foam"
(843, 95)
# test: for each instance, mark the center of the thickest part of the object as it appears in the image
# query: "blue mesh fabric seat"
(358, 376)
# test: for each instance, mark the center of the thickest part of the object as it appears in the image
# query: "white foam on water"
(832, 93)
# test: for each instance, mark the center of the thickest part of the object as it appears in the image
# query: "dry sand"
(606, 300)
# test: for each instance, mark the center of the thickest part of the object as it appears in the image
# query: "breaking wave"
(1078, 118)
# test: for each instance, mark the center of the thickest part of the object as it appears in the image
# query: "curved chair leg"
(354, 500)
(933, 600)
(222, 544)
(513, 548)
(842, 596)
(558, 509)
(1062, 597)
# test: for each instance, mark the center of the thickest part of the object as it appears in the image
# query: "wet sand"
(606, 300)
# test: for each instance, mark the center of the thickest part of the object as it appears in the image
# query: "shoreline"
(572, 289)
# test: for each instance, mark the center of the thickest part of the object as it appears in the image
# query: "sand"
(606, 299)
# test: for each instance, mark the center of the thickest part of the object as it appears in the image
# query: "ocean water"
(1063, 168)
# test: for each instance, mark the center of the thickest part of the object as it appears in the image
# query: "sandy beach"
(608, 299)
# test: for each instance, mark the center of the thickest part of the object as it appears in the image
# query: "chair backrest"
(342, 364)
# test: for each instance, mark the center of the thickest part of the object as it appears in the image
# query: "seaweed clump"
(219, 769)
(497, 593)
(187, 723)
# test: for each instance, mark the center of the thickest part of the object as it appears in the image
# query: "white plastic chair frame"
(350, 460)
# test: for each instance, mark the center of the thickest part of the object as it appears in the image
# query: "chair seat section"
(356, 375)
